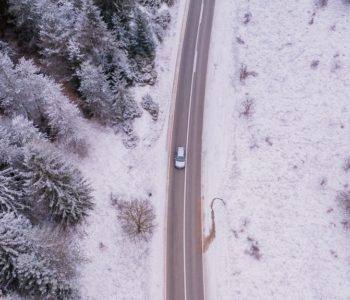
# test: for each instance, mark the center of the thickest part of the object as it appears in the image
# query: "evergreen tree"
(112, 8)
(36, 277)
(10, 193)
(91, 34)
(13, 243)
(125, 107)
(27, 20)
(56, 187)
(24, 91)
(24, 266)
(141, 42)
(97, 94)
(55, 31)
(20, 131)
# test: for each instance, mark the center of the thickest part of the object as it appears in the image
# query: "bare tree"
(137, 217)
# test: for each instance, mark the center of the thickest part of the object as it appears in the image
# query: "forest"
(63, 62)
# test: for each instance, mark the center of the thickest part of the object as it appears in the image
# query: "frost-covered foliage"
(34, 178)
(10, 194)
(161, 23)
(55, 188)
(13, 242)
(149, 105)
(24, 267)
(14, 135)
(24, 91)
(90, 42)
(37, 278)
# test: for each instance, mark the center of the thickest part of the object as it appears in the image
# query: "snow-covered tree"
(91, 34)
(96, 91)
(20, 90)
(55, 187)
(125, 107)
(56, 26)
(24, 91)
(10, 192)
(25, 267)
(151, 3)
(15, 134)
(13, 243)
(141, 43)
(36, 277)
(161, 23)
(27, 20)
(8, 152)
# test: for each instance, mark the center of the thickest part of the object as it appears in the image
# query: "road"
(184, 265)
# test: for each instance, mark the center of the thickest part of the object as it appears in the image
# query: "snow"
(280, 169)
(115, 267)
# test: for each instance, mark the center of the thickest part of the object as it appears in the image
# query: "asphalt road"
(184, 265)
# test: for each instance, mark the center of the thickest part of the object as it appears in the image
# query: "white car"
(180, 157)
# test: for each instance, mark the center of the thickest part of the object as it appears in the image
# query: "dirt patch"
(212, 231)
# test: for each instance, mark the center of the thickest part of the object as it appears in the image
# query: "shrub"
(247, 108)
(149, 105)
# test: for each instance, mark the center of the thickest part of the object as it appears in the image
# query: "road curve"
(184, 267)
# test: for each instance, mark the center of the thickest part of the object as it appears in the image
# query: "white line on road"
(187, 137)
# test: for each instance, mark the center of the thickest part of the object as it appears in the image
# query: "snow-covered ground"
(115, 267)
(279, 169)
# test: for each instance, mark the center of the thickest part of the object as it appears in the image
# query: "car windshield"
(180, 158)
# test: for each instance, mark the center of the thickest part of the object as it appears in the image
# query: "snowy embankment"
(115, 267)
(278, 163)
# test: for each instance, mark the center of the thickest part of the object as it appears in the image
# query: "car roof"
(180, 150)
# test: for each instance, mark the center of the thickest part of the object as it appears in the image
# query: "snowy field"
(278, 160)
(115, 267)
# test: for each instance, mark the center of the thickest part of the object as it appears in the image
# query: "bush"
(247, 108)
(244, 73)
(149, 105)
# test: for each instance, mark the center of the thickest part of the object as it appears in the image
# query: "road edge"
(204, 269)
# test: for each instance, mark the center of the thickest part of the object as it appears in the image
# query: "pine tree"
(13, 243)
(36, 277)
(91, 34)
(56, 187)
(8, 152)
(98, 97)
(55, 32)
(24, 91)
(20, 131)
(27, 20)
(142, 45)
(24, 266)
(10, 193)
(125, 107)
